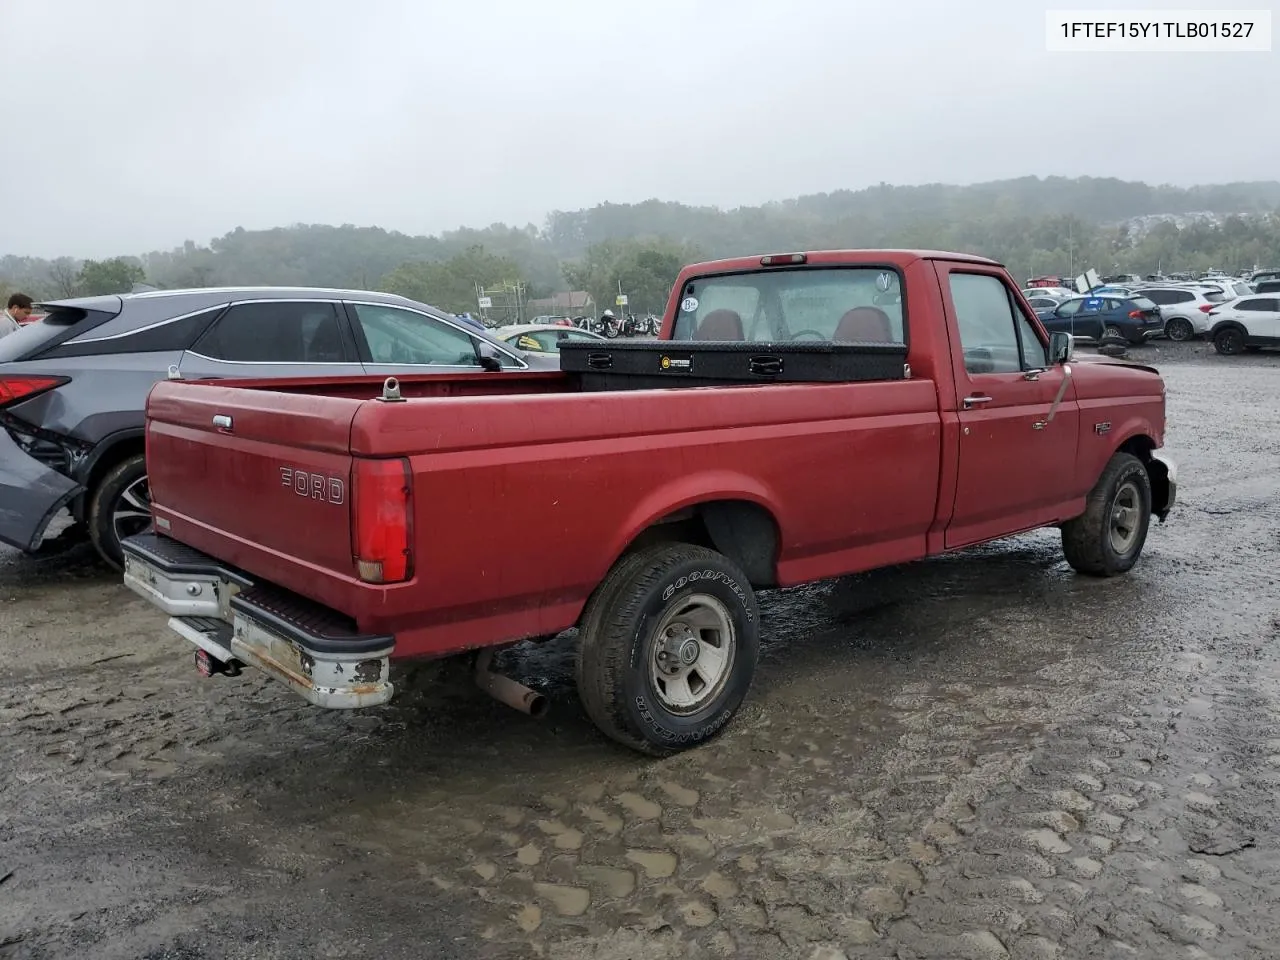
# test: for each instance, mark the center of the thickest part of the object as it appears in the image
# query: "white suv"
(1185, 309)
(1249, 323)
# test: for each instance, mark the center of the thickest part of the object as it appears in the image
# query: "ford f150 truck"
(802, 416)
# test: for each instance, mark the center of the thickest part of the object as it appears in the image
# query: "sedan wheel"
(120, 507)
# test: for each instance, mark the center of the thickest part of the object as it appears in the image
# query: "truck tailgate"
(230, 475)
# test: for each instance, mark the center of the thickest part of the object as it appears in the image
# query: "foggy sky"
(133, 125)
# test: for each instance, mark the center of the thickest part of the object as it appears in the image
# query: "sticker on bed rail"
(689, 304)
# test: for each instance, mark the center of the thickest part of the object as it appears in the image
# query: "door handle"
(1053, 407)
(971, 402)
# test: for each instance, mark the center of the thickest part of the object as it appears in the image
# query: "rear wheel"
(1228, 342)
(668, 648)
(1108, 537)
(1179, 329)
(119, 508)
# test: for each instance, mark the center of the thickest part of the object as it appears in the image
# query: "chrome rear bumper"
(314, 650)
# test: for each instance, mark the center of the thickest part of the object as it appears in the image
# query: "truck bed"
(525, 490)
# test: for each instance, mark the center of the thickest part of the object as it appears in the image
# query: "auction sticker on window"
(689, 304)
(1157, 31)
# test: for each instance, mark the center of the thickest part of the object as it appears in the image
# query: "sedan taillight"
(13, 389)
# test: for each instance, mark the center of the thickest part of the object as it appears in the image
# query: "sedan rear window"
(33, 337)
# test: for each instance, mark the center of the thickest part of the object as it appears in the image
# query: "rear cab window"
(832, 303)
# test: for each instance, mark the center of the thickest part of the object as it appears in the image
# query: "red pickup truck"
(802, 416)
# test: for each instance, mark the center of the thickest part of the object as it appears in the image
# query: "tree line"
(1035, 226)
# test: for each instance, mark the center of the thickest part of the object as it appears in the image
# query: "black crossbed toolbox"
(643, 364)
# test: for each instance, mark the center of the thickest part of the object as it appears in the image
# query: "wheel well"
(1142, 447)
(744, 532)
(1228, 325)
(115, 454)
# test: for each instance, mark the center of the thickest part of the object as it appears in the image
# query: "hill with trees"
(1033, 225)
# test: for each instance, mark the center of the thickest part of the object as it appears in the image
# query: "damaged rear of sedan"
(73, 387)
(59, 446)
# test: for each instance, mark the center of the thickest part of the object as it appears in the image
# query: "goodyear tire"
(119, 507)
(668, 648)
(1108, 537)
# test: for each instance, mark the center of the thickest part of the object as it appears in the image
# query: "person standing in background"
(15, 314)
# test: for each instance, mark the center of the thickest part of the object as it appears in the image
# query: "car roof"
(197, 295)
(130, 312)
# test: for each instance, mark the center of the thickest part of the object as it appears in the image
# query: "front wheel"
(1108, 537)
(119, 508)
(1228, 342)
(668, 648)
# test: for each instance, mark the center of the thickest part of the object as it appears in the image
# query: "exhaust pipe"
(508, 691)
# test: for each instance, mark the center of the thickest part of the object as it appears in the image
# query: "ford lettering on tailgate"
(314, 486)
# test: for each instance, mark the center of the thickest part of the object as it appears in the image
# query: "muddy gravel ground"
(974, 757)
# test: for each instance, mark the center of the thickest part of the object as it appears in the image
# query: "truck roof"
(899, 258)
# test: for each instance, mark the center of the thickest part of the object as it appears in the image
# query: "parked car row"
(73, 387)
(1227, 311)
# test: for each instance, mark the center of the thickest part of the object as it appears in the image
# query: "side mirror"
(487, 356)
(1059, 347)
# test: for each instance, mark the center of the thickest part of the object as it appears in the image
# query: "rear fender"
(691, 490)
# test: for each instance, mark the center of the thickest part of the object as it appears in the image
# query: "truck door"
(1016, 464)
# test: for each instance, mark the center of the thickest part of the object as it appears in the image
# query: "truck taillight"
(13, 389)
(382, 520)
